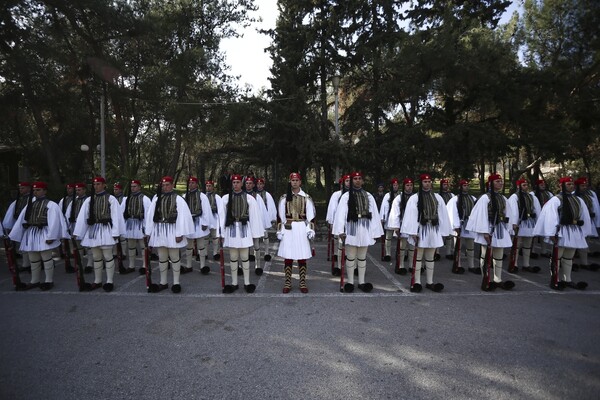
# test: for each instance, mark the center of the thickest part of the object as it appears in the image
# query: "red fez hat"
(356, 173)
(295, 175)
(24, 184)
(347, 176)
(581, 180)
(540, 181)
(260, 180)
(521, 181)
(463, 182)
(79, 185)
(394, 180)
(136, 182)
(444, 180)
(494, 176)
(236, 177)
(40, 185)
(565, 179)
(407, 180)
(117, 185)
(424, 177)
(249, 179)
(209, 182)
(166, 179)
(99, 179)
(192, 179)
(70, 186)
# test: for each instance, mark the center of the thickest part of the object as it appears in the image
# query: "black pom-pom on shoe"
(46, 286)
(216, 257)
(252, 257)
(108, 287)
(416, 288)
(258, 271)
(436, 287)
(348, 288)
(267, 257)
(336, 272)
(250, 288)
(205, 270)
(365, 287)
(230, 289)
(176, 288)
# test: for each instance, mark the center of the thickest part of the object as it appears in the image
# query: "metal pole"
(102, 139)
(337, 124)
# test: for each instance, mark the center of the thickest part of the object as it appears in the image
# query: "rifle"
(222, 263)
(398, 244)
(456, 268)
(512, 268)
(334, 257)
(11, 261)
(555, 283)
(414, 288)
(122, 269)
(312, 241)
(81, 283)
(486, 283)
(382, 238)
(65, 249)
(343, 263)
(329, 247)
(150, 287)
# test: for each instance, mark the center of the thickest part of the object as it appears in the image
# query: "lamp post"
(336, 86)
(102, 140)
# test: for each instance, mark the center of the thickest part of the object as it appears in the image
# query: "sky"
(246, 55)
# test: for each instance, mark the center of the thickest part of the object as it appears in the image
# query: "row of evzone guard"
(167, 224)
(240, 219)
(426, 221)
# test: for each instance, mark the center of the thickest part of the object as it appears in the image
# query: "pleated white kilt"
(198, 232)
(34, 239)
(98, 235)
(164, 234)
(238, 236)
(294, 244)
(134, 228)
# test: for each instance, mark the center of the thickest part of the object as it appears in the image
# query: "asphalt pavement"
(528, 343)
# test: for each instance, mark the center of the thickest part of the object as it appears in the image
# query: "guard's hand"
(178, 239)
(279, 235)
(116, 238)
(204, 227)
(343, 236)
(487, 238)
(310, 234)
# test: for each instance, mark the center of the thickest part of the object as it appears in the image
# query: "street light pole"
(102, 140)
(336, 86)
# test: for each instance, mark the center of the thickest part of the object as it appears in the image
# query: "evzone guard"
(39, 229)
(426, 223)
(99, 225)
(168, 223)
(296, 212)
(394, 222)
(134, 209)
(199, 206)
(240, 225)
(358, 225)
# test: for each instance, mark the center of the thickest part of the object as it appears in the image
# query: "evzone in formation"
(168, 224)
(334, 200)
(446, 194)
(13, 212)
(384, 212)
(202, 216)
(459, 209)
(296, 212)
(241, 223)
(250, 189)
(394, 222)
(528, 209)
(99, 225)
(590, 199)
(426, 223)
(72, 213)
(39, 229)
(565, 222)
(134, 209)
(216, 208)
(493, 220)
(357, 224)
(271, 209)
